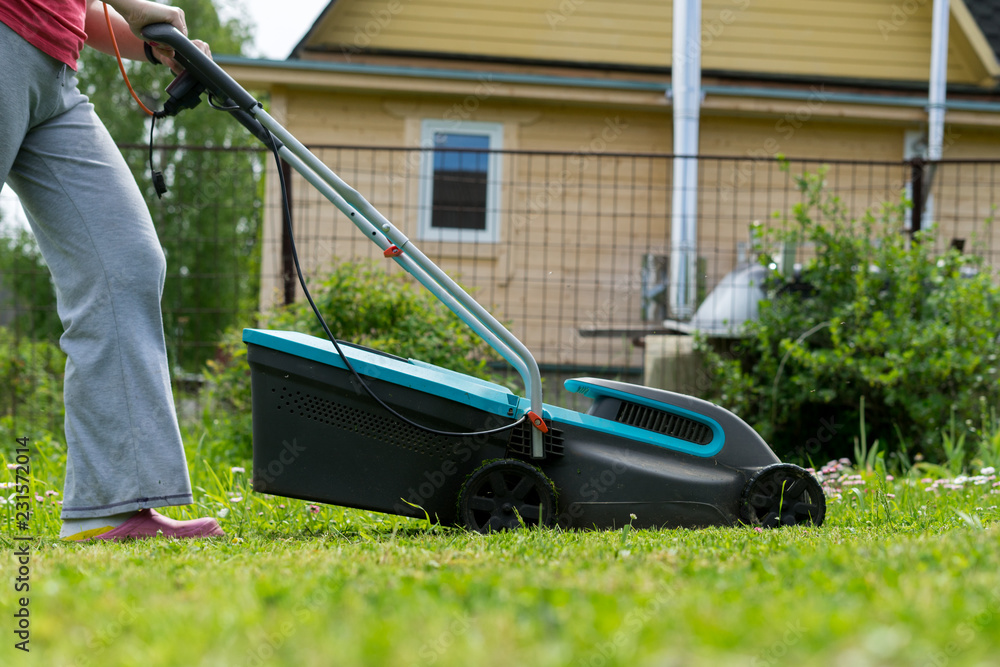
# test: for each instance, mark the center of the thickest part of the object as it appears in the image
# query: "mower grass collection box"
(664, 458)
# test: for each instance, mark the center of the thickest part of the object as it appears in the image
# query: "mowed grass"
(899, 575)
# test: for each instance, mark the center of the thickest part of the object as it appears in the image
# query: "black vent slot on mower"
(675, 426)
(520, 441)
(384, 428)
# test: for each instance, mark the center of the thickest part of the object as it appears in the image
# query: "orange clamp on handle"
(392, 251)
(537, 422)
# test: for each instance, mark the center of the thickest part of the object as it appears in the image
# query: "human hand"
(140, 13)
(166, 55)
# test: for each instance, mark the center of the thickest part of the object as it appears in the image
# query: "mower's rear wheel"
(783, 495)
(505, 495)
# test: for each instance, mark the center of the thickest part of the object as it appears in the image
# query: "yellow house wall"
(871, 39)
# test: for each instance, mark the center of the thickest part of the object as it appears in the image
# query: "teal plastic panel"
(481, 394)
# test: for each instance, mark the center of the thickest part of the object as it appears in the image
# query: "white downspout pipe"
(936, 96)
(686, 88)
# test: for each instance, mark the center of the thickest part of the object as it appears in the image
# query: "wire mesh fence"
(571, 250)
(579, 262)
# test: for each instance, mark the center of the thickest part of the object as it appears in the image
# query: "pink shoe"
(150, 523)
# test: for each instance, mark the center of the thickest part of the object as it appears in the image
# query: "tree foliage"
(27, 298)
(31, 386)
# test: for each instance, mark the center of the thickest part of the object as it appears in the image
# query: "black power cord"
(184, 92)
(159, 182)
(357, 376)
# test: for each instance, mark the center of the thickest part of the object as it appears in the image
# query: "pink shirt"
(55, 27)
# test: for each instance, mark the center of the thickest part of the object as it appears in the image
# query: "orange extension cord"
(121, 65)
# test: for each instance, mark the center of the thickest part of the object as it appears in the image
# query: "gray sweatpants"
(96, 235)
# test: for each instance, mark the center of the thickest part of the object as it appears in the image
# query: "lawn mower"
(342, 424)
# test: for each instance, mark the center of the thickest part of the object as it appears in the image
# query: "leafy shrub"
(26, 289)
(31, 383)
(362, 304)
(366, 305)
(911, 330)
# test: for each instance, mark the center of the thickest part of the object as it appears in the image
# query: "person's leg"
(94, 230)
(20, 90)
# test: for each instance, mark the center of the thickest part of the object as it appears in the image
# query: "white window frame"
(494, 166)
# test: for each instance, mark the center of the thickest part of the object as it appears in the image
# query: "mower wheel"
(506, 494)
(782, 495)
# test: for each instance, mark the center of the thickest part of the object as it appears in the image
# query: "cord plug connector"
(159, 184)
(184, 93)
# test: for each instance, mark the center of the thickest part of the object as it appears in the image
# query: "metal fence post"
(916, 194)
(287, 263)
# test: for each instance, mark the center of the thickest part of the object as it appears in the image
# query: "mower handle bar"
(250, 113)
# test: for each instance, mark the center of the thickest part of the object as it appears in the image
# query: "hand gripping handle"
(199, 65)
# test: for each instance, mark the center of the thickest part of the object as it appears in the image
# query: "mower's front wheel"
(506, 494)
(782, 495)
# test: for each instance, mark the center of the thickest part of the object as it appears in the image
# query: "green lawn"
(899, 575)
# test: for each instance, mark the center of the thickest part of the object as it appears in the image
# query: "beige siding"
(625, 32)
(855, 39)
(871, 39)
(358, 120)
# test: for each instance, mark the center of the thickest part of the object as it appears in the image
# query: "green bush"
(362, 304)
(910, 330)
(366, 305)
(31, 382)
(26, 289)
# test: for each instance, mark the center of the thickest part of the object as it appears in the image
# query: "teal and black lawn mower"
(347, 425)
